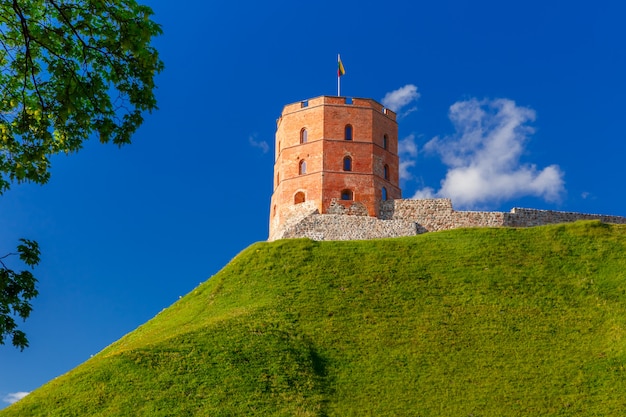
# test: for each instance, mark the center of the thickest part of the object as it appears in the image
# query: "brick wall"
(309, 204)
(373, 168)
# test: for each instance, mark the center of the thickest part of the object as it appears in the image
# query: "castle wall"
(288, 219)
(345, 227)
(359, 179)
(411, 217)
(522, 217)
(308, 203)
(437, 214)
(374, 160)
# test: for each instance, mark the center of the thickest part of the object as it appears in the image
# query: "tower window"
(299, 198)
(302, 167)
(347, 195)
(348, 132)
(303, 135)
(384, 193)
(347, 163)
(386, 172)
(385, 141)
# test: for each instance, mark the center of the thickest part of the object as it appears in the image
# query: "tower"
(334, 155)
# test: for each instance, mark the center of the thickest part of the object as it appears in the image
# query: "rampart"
(411, 217)
(339, 101)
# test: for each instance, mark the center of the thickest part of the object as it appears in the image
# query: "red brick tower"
(331, 152)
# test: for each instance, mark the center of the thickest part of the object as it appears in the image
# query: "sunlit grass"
(482, 322)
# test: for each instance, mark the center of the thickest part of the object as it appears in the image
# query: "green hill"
(472, 322)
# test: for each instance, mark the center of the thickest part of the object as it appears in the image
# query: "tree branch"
(29, 58)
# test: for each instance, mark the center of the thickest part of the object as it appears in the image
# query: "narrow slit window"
(302, 167)
(303, 135)
(348, 132)
(386, 172)
(385, 141)
(384, 194)
(347, 163)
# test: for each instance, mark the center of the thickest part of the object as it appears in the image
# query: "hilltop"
(482, 322)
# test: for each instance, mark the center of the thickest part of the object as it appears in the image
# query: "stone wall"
(522, 217)
(411, 217)
(437, 214)
(346, 227)
(289, 217)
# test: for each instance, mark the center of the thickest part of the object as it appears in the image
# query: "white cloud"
(426, 192)
(483, 156)
(407, 149)
(14, 397)
(407, 146)
(263, 145)
(397, 99)
(404, 169)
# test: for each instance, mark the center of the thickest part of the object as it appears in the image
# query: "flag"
(340, 69)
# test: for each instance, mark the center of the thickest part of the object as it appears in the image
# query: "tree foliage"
(69, 70)
(16, 291)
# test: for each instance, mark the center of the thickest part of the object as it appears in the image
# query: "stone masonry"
(331, 152)
(336, 177)
(412, 217)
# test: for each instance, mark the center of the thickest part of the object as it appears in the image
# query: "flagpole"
(340, 71)
(338, 77)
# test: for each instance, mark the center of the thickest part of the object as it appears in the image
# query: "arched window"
(386, 172)
(347, 195)
(348, 132)
(384, 193)
(302, 167)
(347, 163)
(299, 198)
(385, 141)
(303, 135)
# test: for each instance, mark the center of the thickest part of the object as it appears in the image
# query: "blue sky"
(501, 105)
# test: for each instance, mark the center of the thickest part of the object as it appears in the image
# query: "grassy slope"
(482, 322)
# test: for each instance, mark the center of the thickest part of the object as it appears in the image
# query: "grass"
(472, 322)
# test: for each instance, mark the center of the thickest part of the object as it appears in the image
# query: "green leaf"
(71, 70)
